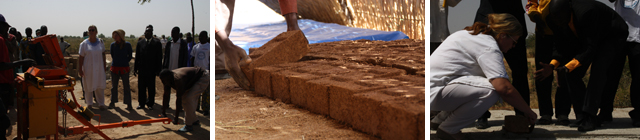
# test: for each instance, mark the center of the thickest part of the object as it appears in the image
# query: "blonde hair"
(498, 23)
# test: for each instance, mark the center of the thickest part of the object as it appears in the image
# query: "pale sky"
(66, 17)
(465, 12)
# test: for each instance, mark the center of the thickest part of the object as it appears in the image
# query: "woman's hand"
(546, 71)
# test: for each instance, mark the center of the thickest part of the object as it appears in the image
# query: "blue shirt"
(121, 56)
(190, 44)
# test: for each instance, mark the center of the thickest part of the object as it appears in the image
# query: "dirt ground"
(119, 114)
(242, 114)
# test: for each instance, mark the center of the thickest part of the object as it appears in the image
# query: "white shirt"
(63, 45)
(466, 59)
(439, 13)
(630, 11)
(93, 65)
(175, 55)
(164, 42)
(201, 53)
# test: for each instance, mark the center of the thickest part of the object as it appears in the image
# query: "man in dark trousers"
(148, 64)
(516, 57)
(7, 76)
(175, 51)
(188, 82)
(601, 34)
(565, 97)
(36, 50)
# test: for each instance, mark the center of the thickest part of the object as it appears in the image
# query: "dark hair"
(203, 33)
(176, 28)
(166, 73)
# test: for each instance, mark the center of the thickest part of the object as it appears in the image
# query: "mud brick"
(421, 73)
(341, 95)
(311, 69)
(421, 126)
(286, 47)
(331, 70)
(298, 90)
(411, 68)
(251, 50)
(361, 110)
(412, 79)
(386, 72)
(280, 84)
(402, 114)
(249, 73)
(318, 95)
(263, 80)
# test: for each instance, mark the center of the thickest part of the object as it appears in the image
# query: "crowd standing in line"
(182, 56)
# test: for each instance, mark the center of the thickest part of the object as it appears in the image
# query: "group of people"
(468, 74)
(183, 67)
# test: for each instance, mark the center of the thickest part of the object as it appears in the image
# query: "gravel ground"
(619, 129)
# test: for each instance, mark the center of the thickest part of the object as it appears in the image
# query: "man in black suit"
(175, 59)
(601, 34)
(148, 64)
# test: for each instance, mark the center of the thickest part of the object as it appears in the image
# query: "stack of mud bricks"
(72, 63)
(406, 54)
(359, 90)
(380, 101)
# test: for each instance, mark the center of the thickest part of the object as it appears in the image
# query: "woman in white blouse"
(468, 74)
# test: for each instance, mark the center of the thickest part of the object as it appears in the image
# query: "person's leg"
(100, 97)
(606, 106)
(289, 9)
(151, 100)
(5, 92)
(115, 78)
(189, 101)
(127, 90)
(575, 92)
(517, 60)
(634, 66)
(142, 91)
(206, 102)
(466, 103)
(544, 50)
(602, 76)
(88, 98)
(433, 46)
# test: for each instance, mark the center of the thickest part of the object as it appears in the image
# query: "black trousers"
(146, 83)
(544, 51)
(516, 57)
(632, 51)
(7, 94)
(571, 88)
(606, 69)
(5, 123)
(433, 46)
